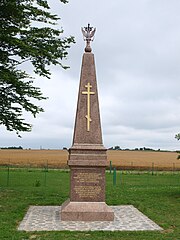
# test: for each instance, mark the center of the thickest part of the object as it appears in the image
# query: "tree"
(177, 136)
(117, 148)
(27, 34)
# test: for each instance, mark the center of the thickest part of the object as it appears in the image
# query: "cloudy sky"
(137, 53)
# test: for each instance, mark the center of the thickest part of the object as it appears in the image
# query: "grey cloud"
(137, 58)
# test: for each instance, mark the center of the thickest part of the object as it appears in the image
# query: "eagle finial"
(88, 33)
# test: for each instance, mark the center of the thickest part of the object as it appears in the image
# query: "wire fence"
(130, 166)
(12, 176)
(147, 178)
(43, 176)
(150, 166)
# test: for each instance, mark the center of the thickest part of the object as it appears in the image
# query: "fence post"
(152, 168)
(45, 176)
(110, 166)
(173, 168)
(47, 166)
(121, 177)
(114, 177)
(8, 176)
(29, 166)
(131, 167)
(45, 172)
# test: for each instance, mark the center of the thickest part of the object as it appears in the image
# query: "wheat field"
(144, 160)
(120, 159)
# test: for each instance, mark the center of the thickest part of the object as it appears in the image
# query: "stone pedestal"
(87, 156)
(86, 211)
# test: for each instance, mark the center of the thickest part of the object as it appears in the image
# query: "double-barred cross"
(89, 93)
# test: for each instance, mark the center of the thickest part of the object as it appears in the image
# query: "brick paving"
(47, 218)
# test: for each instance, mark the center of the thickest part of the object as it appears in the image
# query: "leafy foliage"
(177, 136)
(27, 34)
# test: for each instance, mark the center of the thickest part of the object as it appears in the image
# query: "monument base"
(86, 211)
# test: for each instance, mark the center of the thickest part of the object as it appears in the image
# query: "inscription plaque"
(88, 184)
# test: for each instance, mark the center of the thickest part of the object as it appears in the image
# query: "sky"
(137, 55)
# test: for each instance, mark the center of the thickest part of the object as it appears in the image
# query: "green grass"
(157, 196)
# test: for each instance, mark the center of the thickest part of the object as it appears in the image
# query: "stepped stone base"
(86, 211)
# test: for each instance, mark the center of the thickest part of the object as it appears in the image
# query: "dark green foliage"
(14, 148)
(177, 136)
(37, 183)
(27, 34)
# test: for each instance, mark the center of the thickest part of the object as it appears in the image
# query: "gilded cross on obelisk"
(89, 93)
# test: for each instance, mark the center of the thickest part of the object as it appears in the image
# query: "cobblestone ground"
(47, 218)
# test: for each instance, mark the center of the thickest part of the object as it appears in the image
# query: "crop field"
(144, 160)
(141, 160)
(34, 158)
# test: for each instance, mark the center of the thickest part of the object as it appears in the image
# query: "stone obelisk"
(87, 156)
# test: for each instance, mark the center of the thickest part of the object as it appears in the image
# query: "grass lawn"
(157, 196)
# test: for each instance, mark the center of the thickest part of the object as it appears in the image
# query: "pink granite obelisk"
(87, 156)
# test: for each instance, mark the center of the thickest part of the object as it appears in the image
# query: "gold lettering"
(88, 177)
(87, 191)
(88, 184)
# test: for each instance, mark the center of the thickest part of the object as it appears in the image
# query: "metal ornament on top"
(88, 33)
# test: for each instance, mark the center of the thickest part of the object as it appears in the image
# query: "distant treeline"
(12, 147)
(137, 149)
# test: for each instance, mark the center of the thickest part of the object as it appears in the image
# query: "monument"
(87, 156)
(87, 162)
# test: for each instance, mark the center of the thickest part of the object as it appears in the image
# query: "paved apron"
(47, 218)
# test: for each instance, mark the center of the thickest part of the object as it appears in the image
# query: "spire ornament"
(88, 33)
